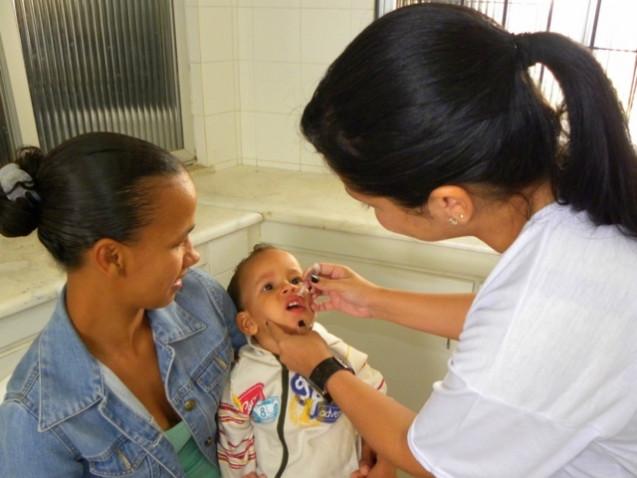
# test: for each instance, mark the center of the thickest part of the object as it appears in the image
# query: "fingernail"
(314, 278)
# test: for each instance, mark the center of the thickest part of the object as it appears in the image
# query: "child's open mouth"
(298, 307)
(295, 305)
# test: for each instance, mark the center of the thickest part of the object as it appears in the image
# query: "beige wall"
(253, 66)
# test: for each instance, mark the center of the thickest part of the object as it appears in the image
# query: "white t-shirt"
(544, 380)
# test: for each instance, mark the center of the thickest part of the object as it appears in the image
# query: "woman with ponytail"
(126, 377)
(431, 118)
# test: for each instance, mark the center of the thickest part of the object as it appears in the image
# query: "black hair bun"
(21, 216)
(30, 159)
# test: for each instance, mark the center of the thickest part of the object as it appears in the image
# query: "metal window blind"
(102, 65)
(606, 27)
(8, 140)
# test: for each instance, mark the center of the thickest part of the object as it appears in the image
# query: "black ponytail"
(435, 94)
(599, 172)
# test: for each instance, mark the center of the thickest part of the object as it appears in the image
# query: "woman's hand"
(300, 353)
(342, 288)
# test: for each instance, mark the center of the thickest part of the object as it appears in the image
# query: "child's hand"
(382, 469)
(372, 465)
(362, 472)
(366, 462)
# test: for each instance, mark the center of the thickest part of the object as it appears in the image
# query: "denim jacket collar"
(67, 368)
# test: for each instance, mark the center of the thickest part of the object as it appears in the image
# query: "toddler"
(271, 421)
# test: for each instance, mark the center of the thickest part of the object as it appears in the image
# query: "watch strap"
(323, 371)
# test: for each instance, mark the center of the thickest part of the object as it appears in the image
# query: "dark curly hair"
(234, 287)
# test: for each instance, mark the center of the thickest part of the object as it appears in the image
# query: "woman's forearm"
(437, 314)
(382, 422)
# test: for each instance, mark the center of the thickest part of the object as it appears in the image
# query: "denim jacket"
(59, 420)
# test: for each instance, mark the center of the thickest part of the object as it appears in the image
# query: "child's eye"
(267, 287)
(296, 280)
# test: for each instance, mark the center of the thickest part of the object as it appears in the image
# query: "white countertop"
(292, 197)
(229, 200)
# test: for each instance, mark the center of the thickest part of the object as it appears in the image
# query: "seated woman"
(125, 378)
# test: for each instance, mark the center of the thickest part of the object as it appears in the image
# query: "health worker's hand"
(299, 353)
(340, 288)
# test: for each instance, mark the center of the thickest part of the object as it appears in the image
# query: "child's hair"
(87, 188)
(435, 94)
(234, 287)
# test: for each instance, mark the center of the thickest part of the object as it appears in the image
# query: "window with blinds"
(102, 65)
(606, 27)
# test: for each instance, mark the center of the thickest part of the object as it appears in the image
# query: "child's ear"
(246, 323)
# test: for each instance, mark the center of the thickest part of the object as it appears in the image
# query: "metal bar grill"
(103, 65)
(611, 51)
(8, 138)
(7, 147)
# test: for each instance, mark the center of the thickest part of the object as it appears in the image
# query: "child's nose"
(289, 287)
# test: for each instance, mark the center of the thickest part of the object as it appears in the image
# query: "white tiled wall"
(254, 65)
(212, 36)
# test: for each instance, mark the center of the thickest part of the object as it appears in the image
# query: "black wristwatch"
(323, 371)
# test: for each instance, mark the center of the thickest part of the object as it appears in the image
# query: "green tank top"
(192, 461)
